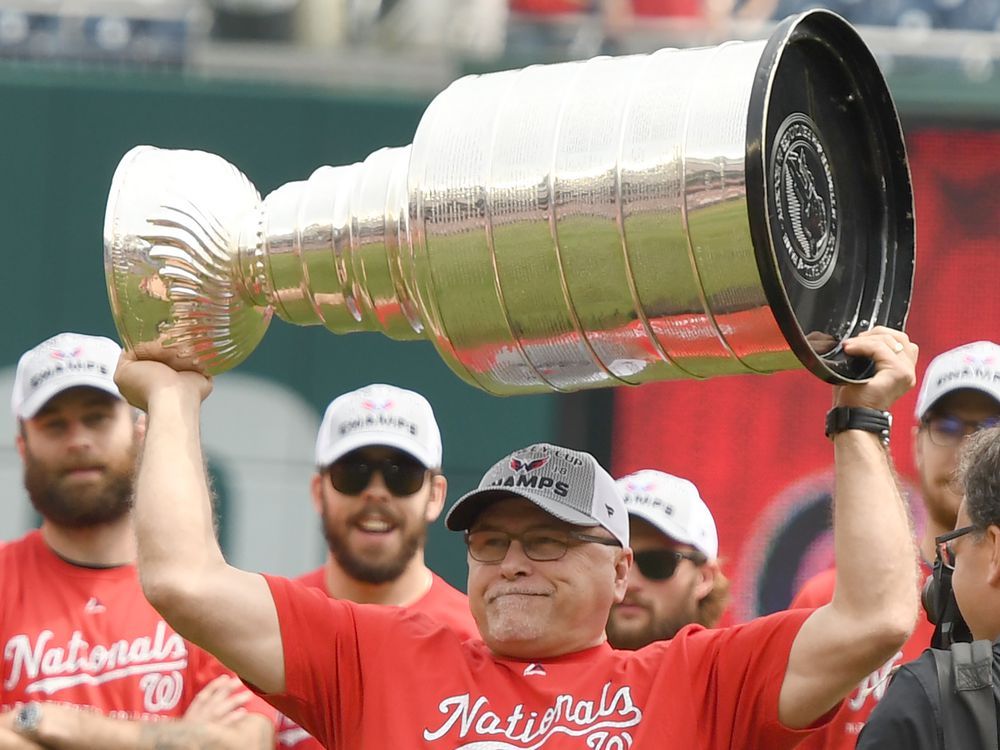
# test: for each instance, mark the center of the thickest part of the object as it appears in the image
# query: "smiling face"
(374, 535)
(527, 609)
(79, 455)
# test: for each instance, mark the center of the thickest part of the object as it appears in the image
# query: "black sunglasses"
(660, 564)
(402, 474)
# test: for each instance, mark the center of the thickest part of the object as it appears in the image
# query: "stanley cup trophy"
(684, 214)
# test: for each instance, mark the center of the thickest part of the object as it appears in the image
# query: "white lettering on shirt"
(874, 684)
(603, 721)
(50, 668)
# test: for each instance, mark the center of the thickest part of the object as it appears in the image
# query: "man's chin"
(629, 639)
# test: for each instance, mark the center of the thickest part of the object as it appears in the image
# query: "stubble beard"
(515, 619)
(632, 638)
(660, 627)
(941, 502)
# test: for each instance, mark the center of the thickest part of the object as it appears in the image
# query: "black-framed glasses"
(402, 474)
(948, 431)
(945, 548)
(661, 564)
(540, 545)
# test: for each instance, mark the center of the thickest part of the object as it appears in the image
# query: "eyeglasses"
(945, 547)
(948, 431)
(540, 545)
(402, 475)
(661, 564)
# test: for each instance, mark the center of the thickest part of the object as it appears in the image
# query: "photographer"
(915, 713)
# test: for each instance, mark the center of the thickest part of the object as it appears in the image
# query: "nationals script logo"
(604, 722)
(49, 668)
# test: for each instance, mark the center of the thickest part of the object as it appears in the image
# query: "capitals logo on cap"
(987, 360)
(526, 465)
(377, 404)
(63, 354)
(523, 467)
(637, 487)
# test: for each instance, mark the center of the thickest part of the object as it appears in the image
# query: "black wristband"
(841, 418)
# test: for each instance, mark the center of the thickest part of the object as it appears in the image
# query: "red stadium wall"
(755, 445)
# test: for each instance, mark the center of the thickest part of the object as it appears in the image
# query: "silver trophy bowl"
(684, 214)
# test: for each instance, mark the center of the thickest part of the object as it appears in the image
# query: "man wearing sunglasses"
(675, 580)
(548, 552)
(909, 716)
(959, 395)
(378, 485)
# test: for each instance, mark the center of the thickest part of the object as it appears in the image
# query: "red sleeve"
(737, 674)
(816, 592)
(325, 643)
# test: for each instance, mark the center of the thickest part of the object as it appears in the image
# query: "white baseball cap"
(379, 415)
(570, 485)
(67, 360)
(975, 366)
(673, 506)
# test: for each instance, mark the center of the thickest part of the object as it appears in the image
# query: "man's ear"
(706, 579)
(316, 493)
(624, 560)
(993, 540)
(19, 441)
(439, 491)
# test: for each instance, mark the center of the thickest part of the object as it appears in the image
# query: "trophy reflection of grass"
(536, 308)
(534, 305)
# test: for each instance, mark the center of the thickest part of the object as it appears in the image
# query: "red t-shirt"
(842, 731)
(381, 677)
(88, 637)
(442, 603)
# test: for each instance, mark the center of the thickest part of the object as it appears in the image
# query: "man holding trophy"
(548, 553)
(561, 227)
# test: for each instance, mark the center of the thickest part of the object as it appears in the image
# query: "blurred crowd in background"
(498, 33)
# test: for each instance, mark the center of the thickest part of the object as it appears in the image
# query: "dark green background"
(63, 131)
(62, 135)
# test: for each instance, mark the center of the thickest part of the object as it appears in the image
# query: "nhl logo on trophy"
(805, 200)
(684, 214)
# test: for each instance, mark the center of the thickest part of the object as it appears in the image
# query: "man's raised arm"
(226, 611)
(874, 603)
